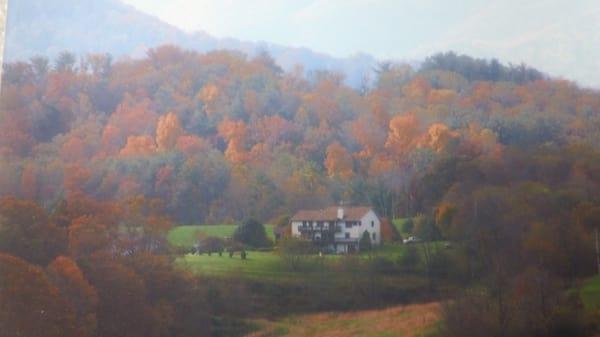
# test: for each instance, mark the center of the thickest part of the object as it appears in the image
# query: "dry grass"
(406, 321)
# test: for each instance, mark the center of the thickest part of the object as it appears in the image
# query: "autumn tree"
(441, 138)
(30, 305)
(26, 232)
(339, 162)
(77, 291)
(138, 146)
(122, 307)
(88, 235)
(235, 133)
(403, 134)
(168, 131)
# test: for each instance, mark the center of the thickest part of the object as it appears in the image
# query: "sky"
(383, 28)
(561, 37)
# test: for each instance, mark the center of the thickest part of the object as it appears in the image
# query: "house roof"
(330, 213)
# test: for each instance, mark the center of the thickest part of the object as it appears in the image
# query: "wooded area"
(99, 159)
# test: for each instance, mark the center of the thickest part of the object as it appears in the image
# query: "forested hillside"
(98, 159)
(219, 136)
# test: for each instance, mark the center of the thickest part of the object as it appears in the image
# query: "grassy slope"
(411, 320)
(590, 293)
(185, 236)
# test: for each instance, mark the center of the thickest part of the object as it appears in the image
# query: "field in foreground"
(185, 236)
(407, 321)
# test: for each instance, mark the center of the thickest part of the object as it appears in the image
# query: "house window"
(347, 235)
(374, 237)
(372, 223)
(348, 224)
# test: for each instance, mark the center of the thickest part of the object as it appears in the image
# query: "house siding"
(345, 238)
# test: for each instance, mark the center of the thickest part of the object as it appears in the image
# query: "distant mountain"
(563, 41)
(42, 27)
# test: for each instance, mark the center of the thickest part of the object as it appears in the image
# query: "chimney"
(340, 212)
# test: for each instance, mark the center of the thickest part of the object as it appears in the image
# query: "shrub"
(365, 242)
(251, 233)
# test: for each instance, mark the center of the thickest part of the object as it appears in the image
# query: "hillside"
(99, 159)
(38, 27)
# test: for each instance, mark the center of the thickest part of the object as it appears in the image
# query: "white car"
(411, 239)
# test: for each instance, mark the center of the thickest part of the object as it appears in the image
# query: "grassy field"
(268, 264)
(185, 236)
(257, 265)
(590, 293)
(407, 321)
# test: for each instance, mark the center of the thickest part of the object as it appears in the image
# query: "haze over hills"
(561, 41)
(39, 27)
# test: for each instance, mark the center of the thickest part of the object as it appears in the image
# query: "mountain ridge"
(37, 27)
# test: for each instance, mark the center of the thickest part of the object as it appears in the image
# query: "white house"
(337, 228)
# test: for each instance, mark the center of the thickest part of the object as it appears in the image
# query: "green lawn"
(185, 236)
(590, 293)
(268, 264)
(257, 265)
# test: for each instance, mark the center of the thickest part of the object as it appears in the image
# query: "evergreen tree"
(251, 233)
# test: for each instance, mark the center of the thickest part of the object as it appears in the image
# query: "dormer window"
(372, 223)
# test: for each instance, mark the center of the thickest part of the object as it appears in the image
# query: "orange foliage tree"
(30, 305)
(77, 291)
(403, 134)
(339, 162)
(138, 145)
(168, 131)
(25, 231)
(235, 133)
